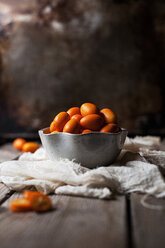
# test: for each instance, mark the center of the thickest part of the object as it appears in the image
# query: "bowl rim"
(80, 134)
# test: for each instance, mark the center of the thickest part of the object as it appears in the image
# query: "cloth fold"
(139, 168)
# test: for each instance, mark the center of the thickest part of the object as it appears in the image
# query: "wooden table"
(77, 222)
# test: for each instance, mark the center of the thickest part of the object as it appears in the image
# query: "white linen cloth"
(139, 168)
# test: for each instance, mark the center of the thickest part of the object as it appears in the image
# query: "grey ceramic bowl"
(90, 150)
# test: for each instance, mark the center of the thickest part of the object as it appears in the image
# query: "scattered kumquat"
(41, 203)
(32, 200)
(18, 143)
(30, 147)
(23, 145)
(28, 194)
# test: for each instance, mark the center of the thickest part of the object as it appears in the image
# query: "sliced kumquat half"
(20, 205)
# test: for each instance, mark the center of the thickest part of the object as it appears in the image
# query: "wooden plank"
(148, 224)
(7, 152)
(74, 222)
(5, 192)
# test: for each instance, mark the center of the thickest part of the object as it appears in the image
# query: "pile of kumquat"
(88, 118)
(22, 145)
(31, 201)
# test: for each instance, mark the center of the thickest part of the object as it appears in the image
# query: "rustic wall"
(107, 52)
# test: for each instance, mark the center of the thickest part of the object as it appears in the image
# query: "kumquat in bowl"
(87, 135)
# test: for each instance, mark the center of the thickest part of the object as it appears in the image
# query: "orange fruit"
(88, 109)
(18, 143)
(73, 111)
(29, 194)
(33, 200)
(86, 131)
(30, 147)
(46, 131)
(59, 122)
(93, 122)
(110, 128)
(52, 126)
(72, 126)
(108, 115)
(40, 203)
(77, 117)
(20, 205)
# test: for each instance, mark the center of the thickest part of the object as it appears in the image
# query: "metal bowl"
(90, 150)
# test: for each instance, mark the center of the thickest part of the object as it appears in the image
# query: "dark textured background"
(57, 54)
